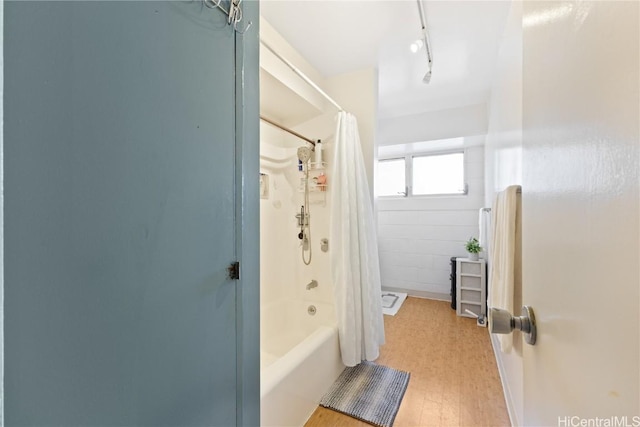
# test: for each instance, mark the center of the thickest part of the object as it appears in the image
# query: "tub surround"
(300, 359)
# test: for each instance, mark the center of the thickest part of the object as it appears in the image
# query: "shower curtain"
(355, 269)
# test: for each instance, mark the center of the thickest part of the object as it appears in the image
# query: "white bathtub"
(300, 359)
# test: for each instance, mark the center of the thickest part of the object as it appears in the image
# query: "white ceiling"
(340, 36)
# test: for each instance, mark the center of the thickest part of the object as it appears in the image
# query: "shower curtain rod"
(301, 75)
(292, 132)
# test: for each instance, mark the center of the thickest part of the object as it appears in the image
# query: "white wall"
(277, 221)
(451, 123)
(357, 93)
(418, 235)
(503, 153)
(503, 167)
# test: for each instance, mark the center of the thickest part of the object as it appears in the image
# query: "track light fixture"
(425, 36)
(416, 45)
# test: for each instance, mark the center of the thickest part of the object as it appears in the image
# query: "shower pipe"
(292, 132)
(305, 208)
(301, 74)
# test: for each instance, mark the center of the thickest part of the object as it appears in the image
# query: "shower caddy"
(317, 185)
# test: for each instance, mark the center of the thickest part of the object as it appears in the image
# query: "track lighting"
(427, 77)
(425, 36)
(416, 45)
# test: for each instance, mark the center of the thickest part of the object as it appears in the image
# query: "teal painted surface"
(249, 239)
(120, 216)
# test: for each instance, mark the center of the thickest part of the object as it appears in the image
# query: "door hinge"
(234, 271)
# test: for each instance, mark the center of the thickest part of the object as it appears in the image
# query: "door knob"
(502, 322)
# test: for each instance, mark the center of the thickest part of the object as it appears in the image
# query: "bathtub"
(300, 359)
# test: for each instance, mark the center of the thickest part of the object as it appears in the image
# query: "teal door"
(121, 160)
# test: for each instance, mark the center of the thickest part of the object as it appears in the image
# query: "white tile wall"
(417, 236)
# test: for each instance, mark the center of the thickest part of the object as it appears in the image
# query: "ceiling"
(340, 36)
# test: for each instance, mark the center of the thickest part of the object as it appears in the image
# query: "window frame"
(408, 173)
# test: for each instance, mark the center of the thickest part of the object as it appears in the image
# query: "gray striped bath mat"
(368, 392)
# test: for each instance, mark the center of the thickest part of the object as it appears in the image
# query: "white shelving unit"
(471, 288)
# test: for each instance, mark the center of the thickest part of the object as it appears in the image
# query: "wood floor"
(454, 378)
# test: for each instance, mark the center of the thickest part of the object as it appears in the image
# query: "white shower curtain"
(355, 269)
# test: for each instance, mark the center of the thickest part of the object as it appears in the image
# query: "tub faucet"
(312, 284)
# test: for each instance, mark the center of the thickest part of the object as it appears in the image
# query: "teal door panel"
(119, 155)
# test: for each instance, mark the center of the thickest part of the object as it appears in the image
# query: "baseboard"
(420, 294)
(513, 417)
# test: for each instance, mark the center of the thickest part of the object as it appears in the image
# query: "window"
(421, 175)
(391, 178)
(438, 174)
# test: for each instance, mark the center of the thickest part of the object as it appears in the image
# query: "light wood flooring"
(454, 377)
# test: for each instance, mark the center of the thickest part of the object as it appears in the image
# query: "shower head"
(304, 154)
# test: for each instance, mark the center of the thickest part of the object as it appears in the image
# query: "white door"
(580, 211)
